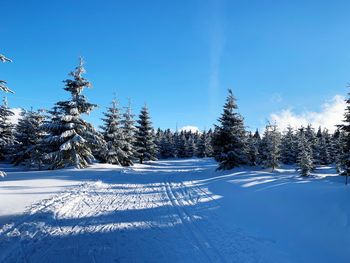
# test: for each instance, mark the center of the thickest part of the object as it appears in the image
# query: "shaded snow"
(174, 211)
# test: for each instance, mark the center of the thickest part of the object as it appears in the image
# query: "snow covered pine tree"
(4, 88)
(270, 149)
(6, 130)
(304, 159)
(345, 159)
(71, 139)
(229, 140)
(204, 148)
(289, 145)
(113, 134)
(146, 148)
(129, 131)
(28, 149)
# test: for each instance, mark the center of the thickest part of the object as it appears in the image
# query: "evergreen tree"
(113, 134)
(166, 145)
(204, 148)
(289, 147)
(158, 139)
(210, 150)
(345, 127)
(324, 147)
(182, 145)
(129, 131)
(305, 162)
(146, 149)
(229, 140)
(338, 145)
(190, 145)
(271, 147)
(29, 134)
(71, 139)
(310, 136)
(4, 88)
(253, 148)
(6, 130)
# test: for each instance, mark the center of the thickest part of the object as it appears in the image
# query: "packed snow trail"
(167, 211)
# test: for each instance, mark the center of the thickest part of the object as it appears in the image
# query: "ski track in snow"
(154, 214)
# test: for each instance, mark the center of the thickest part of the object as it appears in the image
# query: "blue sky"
(180, 56)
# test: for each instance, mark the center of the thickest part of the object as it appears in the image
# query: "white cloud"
(17, 115)
(331, 115)
(190, 128)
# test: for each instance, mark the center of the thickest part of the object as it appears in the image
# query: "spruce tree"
(190, 145)
(146, 148)
(114, 137)
(345, 127)
(182, 145)
(129, 130)
(158, 139)
(310, 136)
(4, 88)
(229, 140)
(6, 130)
(324, 147)
(71, 139)
(271, 147)
(204, 148)
(338, 146)
(253, 148)
(305, 162)
(29, 135)
(289, 146)
(166, 146)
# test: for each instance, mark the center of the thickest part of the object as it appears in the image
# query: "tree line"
(60, 137)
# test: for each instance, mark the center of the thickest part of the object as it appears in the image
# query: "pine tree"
(28, 150)
(4, 88)
(210, 150)
(310, 136)
(253, 148)
(289, 146)
(338, 145)
(324, 147)
(204, 148)
(345, 127)
(129, 131)
(271, 147)
(113, 134)
(305, 162)
(166, 145)
(190, 145)
(158, 140)
(229, 140)
(6, 130)
(181, 145)
(146, 149)
(71, 139)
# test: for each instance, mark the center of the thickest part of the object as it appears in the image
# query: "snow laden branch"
(3, 86)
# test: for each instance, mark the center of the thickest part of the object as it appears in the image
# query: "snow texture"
(174, 211)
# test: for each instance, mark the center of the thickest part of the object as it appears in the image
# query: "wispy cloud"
(276, 98)
(217, 43)
(330, 115)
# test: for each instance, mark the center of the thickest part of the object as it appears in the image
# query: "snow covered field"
(173, 211)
